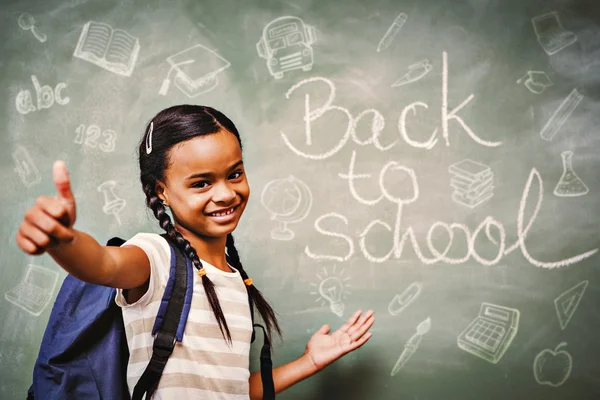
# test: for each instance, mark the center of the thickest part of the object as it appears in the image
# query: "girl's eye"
(201, 184)
(236, 175)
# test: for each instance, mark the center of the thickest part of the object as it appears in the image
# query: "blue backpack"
(84, 352)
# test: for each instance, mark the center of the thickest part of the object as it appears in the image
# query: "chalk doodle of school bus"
(286, 45)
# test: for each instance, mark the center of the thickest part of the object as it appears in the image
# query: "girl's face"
(206, 186)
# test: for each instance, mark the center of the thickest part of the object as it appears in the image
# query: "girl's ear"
(160, 192)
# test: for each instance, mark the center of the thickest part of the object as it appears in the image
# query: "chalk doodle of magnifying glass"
(27, 23)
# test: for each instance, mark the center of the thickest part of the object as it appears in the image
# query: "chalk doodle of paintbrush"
(412, 345)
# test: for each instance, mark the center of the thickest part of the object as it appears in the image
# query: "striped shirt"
(203, 365)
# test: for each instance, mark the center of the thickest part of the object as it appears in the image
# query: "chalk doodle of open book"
(197, 68)
(112, 49)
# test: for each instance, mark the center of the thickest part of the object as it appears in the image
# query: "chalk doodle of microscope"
(560, 115)
(490, 334)
(113, 204)
(288, 200)
(569, 184)
(34, 293)
(25, 167)
(401, 301)
(196, 71)
(567, 302)
(115, 50)
(536, 82)
(286, 44)
(333, 289)
(551, 35)
(473, 183)
(26, 22)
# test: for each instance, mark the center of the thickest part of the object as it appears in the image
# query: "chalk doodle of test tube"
(569, 185)
(113, 205)
(415, 72)
(288, 200)
(392, 31)
(551, 35)
(403, 300)
(197, 68)
(412, 345)
(25, 167)
(560, 116)
(286, 44)
(115, 50)
(27, 23)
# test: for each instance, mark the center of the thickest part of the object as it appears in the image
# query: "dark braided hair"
(168, 128)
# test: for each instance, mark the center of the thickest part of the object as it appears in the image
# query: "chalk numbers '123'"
(93, 136)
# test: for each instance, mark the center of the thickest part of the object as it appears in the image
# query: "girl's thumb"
(60, 175)
(324, 330)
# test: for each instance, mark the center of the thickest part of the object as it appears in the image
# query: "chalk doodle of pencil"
(472, 183)
(392, 31)
(25, 167)
(286, 44)
(112, 49)
(26, 22)
(536, 81)
(404, 299)
(551, 35)
(560, 115)
(412, 345)
(415, 72)
(196, 69)
(289, 201)
(113, 204)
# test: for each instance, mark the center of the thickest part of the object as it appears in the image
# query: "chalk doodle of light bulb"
(288, 200)
(113, 204)
(333, 289)
(286, 45)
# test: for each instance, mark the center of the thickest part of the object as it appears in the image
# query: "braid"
(263, 307)
(154, 203)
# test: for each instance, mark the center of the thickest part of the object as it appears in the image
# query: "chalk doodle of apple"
(552, 367)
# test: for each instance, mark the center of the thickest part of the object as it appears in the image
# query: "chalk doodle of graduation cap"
(196, 70)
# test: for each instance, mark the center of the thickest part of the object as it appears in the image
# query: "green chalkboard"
(435, 161)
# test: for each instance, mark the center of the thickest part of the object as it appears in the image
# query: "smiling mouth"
(222, 213)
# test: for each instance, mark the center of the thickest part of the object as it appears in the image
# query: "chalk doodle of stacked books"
(473, 183)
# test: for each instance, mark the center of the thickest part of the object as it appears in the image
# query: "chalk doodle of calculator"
(35, 292)
(490, 334)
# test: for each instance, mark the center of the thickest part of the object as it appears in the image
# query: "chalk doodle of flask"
(569, 185)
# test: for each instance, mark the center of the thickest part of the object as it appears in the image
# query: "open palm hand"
(324, 348)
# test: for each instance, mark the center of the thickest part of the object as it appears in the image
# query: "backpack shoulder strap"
(169, 328)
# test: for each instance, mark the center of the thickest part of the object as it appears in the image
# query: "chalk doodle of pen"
(569, 184)
(286, 44)
(551, 35)
(392, 31)
(197, 68)
(412, 345)
(113, 205)
(27, 23)
(288, 200)
(415, 72)
(536, 82)
(333, 289)
(25, 167)
(403, 300)
(112, 49)
(560, 116)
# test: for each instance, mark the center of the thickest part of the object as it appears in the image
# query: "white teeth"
(223, 213)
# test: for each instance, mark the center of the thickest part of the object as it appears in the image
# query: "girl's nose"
(223, 193)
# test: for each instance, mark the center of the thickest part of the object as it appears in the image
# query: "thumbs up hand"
(49, 222)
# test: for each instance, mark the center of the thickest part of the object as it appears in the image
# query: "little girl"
(191, 163)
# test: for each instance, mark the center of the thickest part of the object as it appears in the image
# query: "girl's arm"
(48, 226)
(322, 349)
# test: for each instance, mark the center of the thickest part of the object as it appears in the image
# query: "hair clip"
(149, 138)
(248, 282)
(201, 272)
